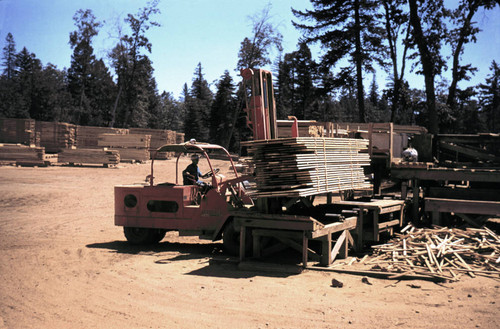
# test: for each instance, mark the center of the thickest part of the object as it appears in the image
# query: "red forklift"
(147, 212)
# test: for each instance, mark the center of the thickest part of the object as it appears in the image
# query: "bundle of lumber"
(132, 147)
(22, 154)
(19, 131)
(87, 136)
(89, 156)
(56, 136)
(124, 141)
(308, 166)
(440, 252)
(159, 138)
(179, 138)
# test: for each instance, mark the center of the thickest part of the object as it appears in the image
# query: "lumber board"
(304, 166)
(89, 156)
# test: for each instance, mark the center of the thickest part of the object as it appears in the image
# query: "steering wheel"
(210, 173)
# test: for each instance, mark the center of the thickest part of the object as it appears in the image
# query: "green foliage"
(490, 98)
(198, 102)
(254, 51)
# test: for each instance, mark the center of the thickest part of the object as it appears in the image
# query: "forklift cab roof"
(190, 148)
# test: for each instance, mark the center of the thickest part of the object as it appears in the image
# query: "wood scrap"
(441, 252)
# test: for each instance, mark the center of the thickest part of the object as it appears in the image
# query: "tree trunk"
(450, 101)
(359, 64)
(427, 66)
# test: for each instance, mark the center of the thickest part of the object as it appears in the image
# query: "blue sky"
(192, 31)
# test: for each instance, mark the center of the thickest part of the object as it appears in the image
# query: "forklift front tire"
(139, 235)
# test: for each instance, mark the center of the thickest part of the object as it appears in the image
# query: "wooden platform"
(295, 232)
(376, 208)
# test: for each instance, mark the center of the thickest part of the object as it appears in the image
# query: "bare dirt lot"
(63, 264)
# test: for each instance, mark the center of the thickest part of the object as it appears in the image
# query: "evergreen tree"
(222, 110)
(490, 98)
(344, 29)
(9, 57)
(28, 77)
(137, 94)
(198, 106)
(82, 60)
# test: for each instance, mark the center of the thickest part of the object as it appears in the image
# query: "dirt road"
(63, 264)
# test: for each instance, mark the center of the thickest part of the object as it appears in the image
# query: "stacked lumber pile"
(22, 154)
(179, 138)
(445, 253)
(158, 138)
(308, 166)
(87, 136)
(89, 156)
(132, 147)
(56, 136)
(19, 131)
(481, 150)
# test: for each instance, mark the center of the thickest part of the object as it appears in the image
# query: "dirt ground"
(63, 264)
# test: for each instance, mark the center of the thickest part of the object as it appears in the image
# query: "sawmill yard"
(63, 264)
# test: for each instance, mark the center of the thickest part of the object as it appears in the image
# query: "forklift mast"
(260, 104)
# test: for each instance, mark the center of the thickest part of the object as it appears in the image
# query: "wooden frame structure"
(377, 208)
(295, 232)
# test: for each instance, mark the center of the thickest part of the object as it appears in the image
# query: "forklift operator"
(191, 175)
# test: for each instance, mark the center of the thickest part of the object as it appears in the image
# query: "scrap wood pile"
(306, 166)
(441, 252)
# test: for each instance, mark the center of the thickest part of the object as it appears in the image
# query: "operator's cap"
(195, 156)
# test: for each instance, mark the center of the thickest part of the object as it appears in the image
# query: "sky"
(192, 31)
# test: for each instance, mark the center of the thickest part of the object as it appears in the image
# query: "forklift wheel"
(141, 236)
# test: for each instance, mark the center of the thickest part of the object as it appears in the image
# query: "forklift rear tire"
(140, 236)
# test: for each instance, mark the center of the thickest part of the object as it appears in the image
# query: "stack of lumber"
(179, 138)
(308, 166)
(87, 136)
(19, 131)
(22, 154)
(132, 147)
(89, 156)
(56, 136)
(481, 150)
(440, 252)
(158, 138)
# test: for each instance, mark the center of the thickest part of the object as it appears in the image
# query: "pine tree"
(9, 57)
(198, 106)
(345, 29)
(490, 98)
(222, 110)
(137, 94)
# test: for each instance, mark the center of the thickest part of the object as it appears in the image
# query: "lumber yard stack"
(158, 138)
(56, 136)
(303, 166)
(22, 154)
(89, 156)
(19, 131)
(87, 136)
(132, 147)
